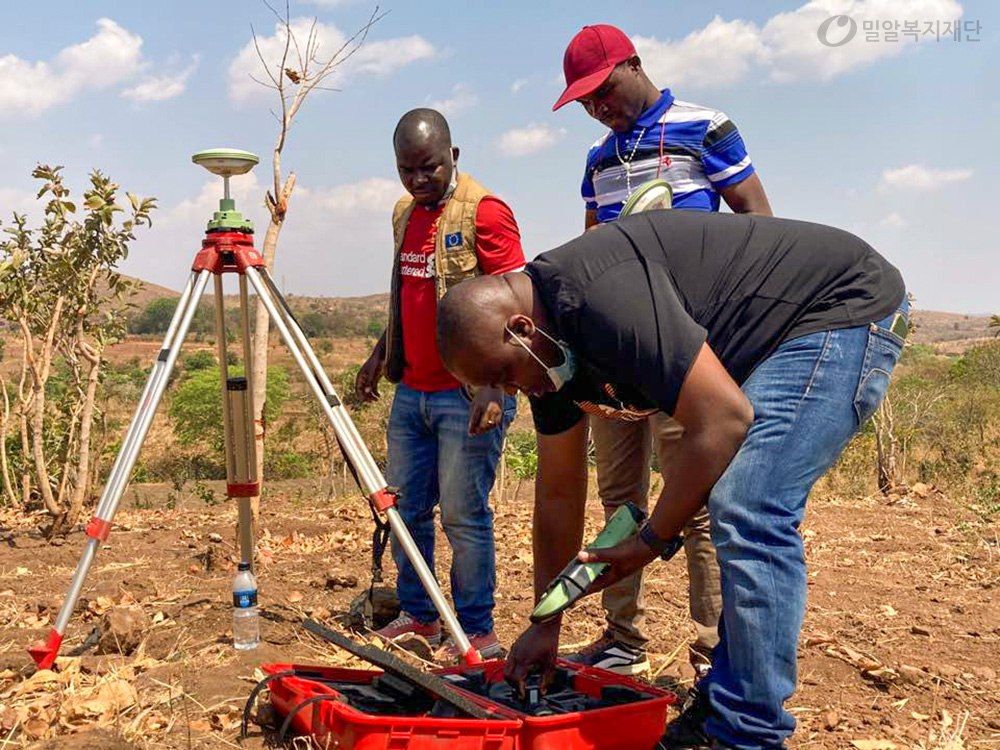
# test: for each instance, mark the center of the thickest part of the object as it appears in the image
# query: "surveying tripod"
(228, 248)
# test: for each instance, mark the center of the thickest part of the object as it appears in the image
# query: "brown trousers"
(623, 454)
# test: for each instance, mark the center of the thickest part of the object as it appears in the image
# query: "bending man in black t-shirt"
(769, 340)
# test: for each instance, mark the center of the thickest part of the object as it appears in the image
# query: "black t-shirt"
(636, 299)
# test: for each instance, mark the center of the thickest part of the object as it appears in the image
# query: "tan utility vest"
(455, 258)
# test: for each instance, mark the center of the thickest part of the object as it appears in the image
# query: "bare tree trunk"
(8, 488)
(332, 452)
(310, 74)
(82, 484)
(98, 451)
(38, 453)
(261, 330)
(886, 447)
(25, 446)
(23, 405)
(39, 378)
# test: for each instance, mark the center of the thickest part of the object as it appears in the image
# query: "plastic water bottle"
(246, 623)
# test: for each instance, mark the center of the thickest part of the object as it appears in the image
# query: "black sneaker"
(613, 655)
(687, 731)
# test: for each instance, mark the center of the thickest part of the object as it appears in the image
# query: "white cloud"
(14, 201)
(334, 237)
(893, 221)
(374, 195)
(161, 88)
(523, 141)
(191, 213)
(462, 97)
(717, 55)
(519, 84)
(113, 55)
(383, 57)
(375, 57)
(787, 48)
(795, 51)
(920, 177)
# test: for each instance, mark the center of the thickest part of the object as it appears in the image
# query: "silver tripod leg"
(99, 527)
(356, 451)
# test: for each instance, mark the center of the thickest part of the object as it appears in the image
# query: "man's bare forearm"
(556, 535)
(560, 497)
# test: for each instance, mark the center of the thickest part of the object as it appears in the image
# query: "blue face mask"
(559, 375)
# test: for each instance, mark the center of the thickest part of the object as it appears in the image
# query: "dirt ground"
(900, 648)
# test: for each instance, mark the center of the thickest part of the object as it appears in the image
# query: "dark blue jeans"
(809, 398)
(434, 461)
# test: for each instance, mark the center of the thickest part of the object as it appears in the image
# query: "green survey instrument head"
(571, 584)
(227, 162)
(648, 196)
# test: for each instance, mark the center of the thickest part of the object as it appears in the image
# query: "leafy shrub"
(196, 407)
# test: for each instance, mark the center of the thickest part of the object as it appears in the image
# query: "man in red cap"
(699, 151)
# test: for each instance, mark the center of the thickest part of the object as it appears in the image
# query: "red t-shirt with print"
(498, 245)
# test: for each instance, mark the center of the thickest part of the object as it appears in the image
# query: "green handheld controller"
(569, 586)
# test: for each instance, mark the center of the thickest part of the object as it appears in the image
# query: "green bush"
(199, 360)
(521, 453)
(286, 464)
(155, 317)
(196, 407)
(314, 324)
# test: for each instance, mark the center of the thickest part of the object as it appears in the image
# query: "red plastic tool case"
(632, 726)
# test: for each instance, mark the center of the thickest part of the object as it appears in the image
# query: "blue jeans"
(433, 460)
(809, 398)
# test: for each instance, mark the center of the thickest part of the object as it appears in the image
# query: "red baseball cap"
(590, 57)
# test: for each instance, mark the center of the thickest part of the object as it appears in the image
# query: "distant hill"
(948, 333)
(146, 292)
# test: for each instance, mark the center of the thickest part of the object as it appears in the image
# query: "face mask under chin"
(559, 375)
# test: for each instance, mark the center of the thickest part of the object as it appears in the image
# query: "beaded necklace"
(627, 165)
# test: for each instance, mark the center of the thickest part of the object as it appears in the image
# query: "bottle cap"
(243, 566)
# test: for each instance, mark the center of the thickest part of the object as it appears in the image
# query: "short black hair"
(421, 123)
(470, 317)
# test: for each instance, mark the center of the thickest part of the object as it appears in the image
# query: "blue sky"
(890, 140)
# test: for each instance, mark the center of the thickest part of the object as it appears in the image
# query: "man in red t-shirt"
(443, 445)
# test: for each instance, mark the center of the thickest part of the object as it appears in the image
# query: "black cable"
(262, 684)
(291, 714)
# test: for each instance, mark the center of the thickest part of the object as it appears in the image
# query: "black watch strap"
(665, 548)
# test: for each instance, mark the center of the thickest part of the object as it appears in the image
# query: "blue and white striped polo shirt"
(702, 152)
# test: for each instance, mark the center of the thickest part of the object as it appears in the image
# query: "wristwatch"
(665, 548)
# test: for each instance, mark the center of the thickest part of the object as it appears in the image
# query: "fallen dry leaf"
(40, 680)
(874, 744)
(111, 698)
(818, 638)
(35, 728)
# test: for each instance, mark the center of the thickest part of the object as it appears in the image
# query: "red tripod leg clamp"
(98, 529)
(382, 500)
(251, 489)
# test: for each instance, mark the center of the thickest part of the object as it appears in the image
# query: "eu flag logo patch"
(453, 240)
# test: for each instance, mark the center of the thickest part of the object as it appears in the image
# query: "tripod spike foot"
(44, 652)
(472, 657)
